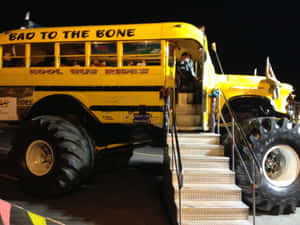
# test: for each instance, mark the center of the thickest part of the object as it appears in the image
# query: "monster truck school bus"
(111, 81)
(117, 74)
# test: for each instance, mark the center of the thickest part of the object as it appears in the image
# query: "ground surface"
(125, 196)
(291, 219)
(122, 196)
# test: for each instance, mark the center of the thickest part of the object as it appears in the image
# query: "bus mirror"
(214, 47)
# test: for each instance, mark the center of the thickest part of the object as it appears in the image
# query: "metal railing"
(241, 141)
(176, 160)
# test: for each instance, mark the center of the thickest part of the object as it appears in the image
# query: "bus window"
(42, 54)
(141, 53)
(72, 54)
(104, 54)
(13, 55)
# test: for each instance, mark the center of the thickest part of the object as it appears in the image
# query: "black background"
(246, 32)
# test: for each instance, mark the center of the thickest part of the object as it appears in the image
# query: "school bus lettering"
(21, 36)
(84, 71)
(76, 34)
(71, 34)
(115, 33)
(46, 71)
(126, 71)
(49, 35)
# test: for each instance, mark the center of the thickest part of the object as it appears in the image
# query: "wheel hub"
(39, 157)
(274, 164)
(281, 165)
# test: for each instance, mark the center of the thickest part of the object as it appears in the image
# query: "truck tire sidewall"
(266, 186)
(72, 159)
(263, 134)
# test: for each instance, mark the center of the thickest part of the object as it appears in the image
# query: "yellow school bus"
(104, 84)
(74, 88)
(114, 72)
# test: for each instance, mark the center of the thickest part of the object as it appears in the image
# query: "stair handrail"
(176, 158)
(243, 136)
(255, 162)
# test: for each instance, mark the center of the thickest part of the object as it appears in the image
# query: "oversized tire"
(276, 144)
(52, 154)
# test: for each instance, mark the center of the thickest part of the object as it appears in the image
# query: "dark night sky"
(246, 33)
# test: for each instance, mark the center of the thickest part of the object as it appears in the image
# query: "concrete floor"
(129, 196)
(123, 196)
(291, 219)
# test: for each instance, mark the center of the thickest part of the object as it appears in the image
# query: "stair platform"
(208, 176)
(204, 161)
(214, 210)
(205, 138)
(210, 192)
(214, 222)
(189, 128)
(209, 195)
(201, 149)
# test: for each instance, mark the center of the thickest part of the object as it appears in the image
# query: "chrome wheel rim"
(39, 157)
(281, 165)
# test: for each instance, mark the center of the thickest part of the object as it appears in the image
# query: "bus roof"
(149, 31)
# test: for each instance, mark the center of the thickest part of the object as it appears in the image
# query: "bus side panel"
(15, 102)
(113, 106)
(83, 76)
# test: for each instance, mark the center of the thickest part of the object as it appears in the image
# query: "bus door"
(189, 67)
(171, 70)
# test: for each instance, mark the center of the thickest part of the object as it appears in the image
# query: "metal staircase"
(208, 195)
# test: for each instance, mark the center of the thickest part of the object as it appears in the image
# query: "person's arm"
(191, 69)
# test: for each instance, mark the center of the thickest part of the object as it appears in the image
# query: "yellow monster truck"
(263, 107)
(76, 91)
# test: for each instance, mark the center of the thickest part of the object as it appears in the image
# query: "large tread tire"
(263, 134)
(73, 154)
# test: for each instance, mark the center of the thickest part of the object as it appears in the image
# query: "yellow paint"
(249, 85)
(110, 146)
(182, 36)
(36, 219)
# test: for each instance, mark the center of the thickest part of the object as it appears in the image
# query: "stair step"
(189, 128)
(188, 120)
(207, 176)
(197, 145)
(209, 192)
(216, 222)
(196, 135)
(209, 195)
(214, 210)
(185, 98)
(201, 149)
(200, 152)
(188, 109)
(197, 138)
(200, 161)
